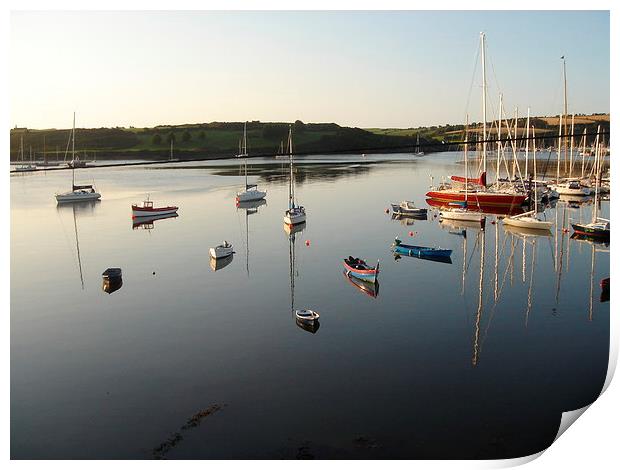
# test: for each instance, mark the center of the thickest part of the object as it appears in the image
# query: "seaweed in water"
(162, 449)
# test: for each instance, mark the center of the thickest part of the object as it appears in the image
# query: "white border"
(590, 444)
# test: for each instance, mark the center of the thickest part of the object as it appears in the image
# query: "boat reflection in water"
(249, 205)
(368, 288)
(148, 222)
(461, 225)
(220, 263)
(112, 280)
(293, 229)
(250, 208)
(311, 327)
(408, 219)
(530, 232)
(604, 290)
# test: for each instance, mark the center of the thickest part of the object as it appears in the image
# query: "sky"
(364, 69)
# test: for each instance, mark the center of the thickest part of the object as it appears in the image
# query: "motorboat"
(147, 209)
(408, 208)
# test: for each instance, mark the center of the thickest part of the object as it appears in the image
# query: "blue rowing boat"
(425, 252)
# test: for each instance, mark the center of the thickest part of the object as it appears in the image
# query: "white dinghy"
(221, 251)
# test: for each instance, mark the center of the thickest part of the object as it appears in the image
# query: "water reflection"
(250, 208)
(148, 222)
(220, 263)
(408, 220)
(370, 289)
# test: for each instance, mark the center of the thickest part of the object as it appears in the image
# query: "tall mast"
(565, 107)
(559, 150)
(466, 152)
(21, 148)
(572, 141)
(596, 175)
(73, 156)
(499, 137)
(44, 154)
(291, 185)
(535, 185)
(484, 104)
(583, 154)
(527, 144)
(245, 153)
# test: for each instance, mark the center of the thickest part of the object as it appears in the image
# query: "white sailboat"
(251, 192)
(294, 214)
(24, 166)
(418, 152)
(221, 251)
(461, 213)
(84, 192)
(530, 220)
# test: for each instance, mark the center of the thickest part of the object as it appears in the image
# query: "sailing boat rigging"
(251, 192)
(530, 220)
(295, 214)
(418, 152)
(24, 166)
(250, 208)
(84, 192)
(598, 227)
(461, 213)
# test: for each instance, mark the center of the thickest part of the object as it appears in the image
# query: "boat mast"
(499, 137)
(572, 142)
(559, 151)
(73, 156)
(535, 185)
(583, 154)
(291, 185)
(527, 144)
(466, 155)
(565, 109)
(21, 149)
(484, 104)
(596, 175)
(244, 151)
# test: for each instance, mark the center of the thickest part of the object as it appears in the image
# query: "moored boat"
(147, 209)
(599, 229)
(222, 250)
(408, 208)
(420, 251)
(358, 268)
(306, 315)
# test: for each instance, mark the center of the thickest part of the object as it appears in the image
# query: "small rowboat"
(306, 315)
(599, 229)
(358, 268)
(221, 251)
(408, 208)
(420, 251)
(148, 210)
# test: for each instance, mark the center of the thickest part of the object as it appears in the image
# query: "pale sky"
(366, 69)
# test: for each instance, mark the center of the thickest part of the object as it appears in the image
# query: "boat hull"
(294, 219)
(220, 252)
(77, 197)
(530, 223)
(478, 198)
(253, 195)
(422, 252)
(462, 215)
(155, 211)
(367, 275)
(583, 229)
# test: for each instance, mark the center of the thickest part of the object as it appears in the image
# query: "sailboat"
(294, 214)
(418, 152)
(529, 220)
(251, 192)
(570, 186)
(281, 152)
(24, 166)
(482, 196)
(84, 192)
(461, 213)
(599, 227)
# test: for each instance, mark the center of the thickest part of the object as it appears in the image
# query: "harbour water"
(476, 358)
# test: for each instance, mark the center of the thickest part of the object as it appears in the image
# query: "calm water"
(447, 361)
